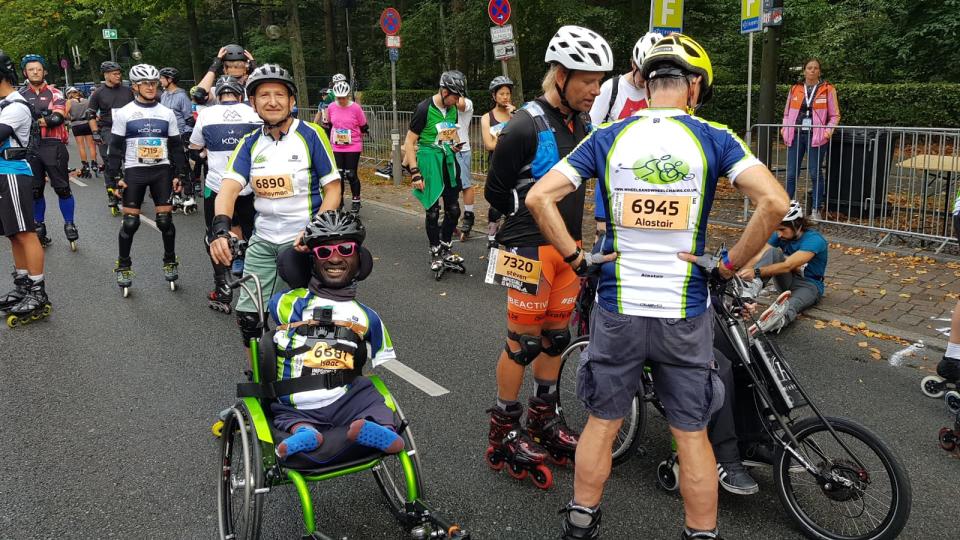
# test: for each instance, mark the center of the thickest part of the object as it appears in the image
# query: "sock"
(20, 272)
(37, 278)
(374, 435)
(66, 208)
(541, 387)
(39, 210)
(304, 439)
(468, 208)
(580, 518)
(508, 405)
(953, 350)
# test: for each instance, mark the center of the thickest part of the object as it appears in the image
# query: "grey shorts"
(680, 353)
(464, 161)
(261, 259)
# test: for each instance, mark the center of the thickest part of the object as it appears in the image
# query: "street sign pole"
(749, 137)
(395, 132)
(113, 54)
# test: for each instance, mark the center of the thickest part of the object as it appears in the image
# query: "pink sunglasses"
(345, 249)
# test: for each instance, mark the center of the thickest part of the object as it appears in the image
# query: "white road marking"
(408, 374)
(149, 222)
(78, 182)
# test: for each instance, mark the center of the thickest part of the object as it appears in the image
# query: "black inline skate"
(221, 296)
(466, 225)
(950, 438)
(70, 230)
(20, 285)
(124, 277)
(547, 428)
(511, 447)
(945, 384)
(41, 228)
(171, 273)
(84, 170)
(113, 201)
(33, 306)
(445, 260)
(571, 531)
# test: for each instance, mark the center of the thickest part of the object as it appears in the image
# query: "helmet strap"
(278, 124)
(563, 91)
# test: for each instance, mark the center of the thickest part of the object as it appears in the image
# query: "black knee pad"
(949, 369)
(452, 212)
(493, 214)
(165, 221)
(63, 192)
(559, 339)
(131, 222)
(350, 175)
(530, 348)
(433, 213)
(250, 328)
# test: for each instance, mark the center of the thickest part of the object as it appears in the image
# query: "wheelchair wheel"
(854, 502)
(575, 415)
(394, 479)
(239, 490)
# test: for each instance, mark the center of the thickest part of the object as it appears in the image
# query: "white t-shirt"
(18, 117)
(219, 129)
(146, 128)
(463, 123)
(630, 99)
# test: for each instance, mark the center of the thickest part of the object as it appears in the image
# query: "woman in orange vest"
(809, 118)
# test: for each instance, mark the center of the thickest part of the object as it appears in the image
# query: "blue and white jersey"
(219, 129)
(657, 172)
(145, 128)
(287, 176)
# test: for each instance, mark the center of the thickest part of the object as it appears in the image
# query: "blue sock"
(39, 210)
(304, 439)
(66, 208)
(374, 435)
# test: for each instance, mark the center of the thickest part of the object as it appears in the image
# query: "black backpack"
(29, 150)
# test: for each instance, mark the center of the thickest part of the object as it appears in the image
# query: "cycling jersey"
(48, 98)
(145, 129)
(219, 129)
(19, 118)
(658, 172)
(435, 126)
(290, 307)
(516, 159)
(107, 98)
(179, 102)
(287, 176)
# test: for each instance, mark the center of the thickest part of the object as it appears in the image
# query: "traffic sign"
(749, 16)
(64, 63)
(109, 33)
(393, 42)
(390, 21)
(666, 16)
(499, 11)
(504, 51)
(501, 34)
(394, 54)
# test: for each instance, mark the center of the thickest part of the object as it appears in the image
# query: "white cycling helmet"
(794, 213)
(339, 77)
(341, 89)
(144, 72)
(578, 48)
(644, 45)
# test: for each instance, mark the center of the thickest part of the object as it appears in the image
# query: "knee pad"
(350, 174)
(250, 328)
(530, 348)
(949, 369)
(433, 213)
(493, 214)
(559, 339)
(131, 222)
(451, 212)
(165, 221)
(63, 192)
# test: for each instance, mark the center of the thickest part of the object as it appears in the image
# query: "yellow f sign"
(666, 16)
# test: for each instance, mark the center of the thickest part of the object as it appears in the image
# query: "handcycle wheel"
(930, 386)
(394, 479)
(239, 505)
(668, 475)
(859, 503)
(575, 415)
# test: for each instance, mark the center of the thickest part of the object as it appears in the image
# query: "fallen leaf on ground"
(904, 295)
(862, 344)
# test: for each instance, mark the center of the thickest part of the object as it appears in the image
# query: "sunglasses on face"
(345, 249)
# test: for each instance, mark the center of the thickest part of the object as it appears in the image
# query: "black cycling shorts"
(159, 178)
(16, 204)
(52, 163)
(81, 130)
(347, 160)
(243, 213)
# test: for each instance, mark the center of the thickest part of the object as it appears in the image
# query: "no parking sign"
(390, 21)
(499, 11)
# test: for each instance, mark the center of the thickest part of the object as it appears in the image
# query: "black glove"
(97, 138)
(220, 226)
(216, 65)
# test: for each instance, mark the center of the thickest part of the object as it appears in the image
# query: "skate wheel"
(461, 270)
(947, 439)
(493, 460)
(73, 246)
(559, 461)
(173, 285)
(516, 471)
(125, 291)
(47, 309)
(12, 321)
(931, 386)
(217, 428)
(542, 477)
(953, 401)
(668, 476)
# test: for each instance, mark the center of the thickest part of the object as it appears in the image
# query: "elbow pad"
(54, 119)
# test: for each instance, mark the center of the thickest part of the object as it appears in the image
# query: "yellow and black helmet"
(680, 51)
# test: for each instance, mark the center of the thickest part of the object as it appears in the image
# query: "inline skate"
(950, 438)
(189, 205)
(547, 429)
(41, 228)
(20, 285)
(113, 201)
(124, 277)
(445, 260)
(355, 206)
(511, 448)
(32, 307)
(466, 225)
(177, 202)
(70, 230)
(572, 531)
(170, 272)
(221, 296)
(946, 381)
(84, 171)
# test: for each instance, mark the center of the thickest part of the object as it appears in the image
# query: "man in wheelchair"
(323, 338)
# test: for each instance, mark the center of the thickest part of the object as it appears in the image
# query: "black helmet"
(334, 226)
(171, 73)
(109, 66)
(454, 81)
(270, 73)
(498, 81)
(200, 94)
(227, 84)
(233, 52)
(7, 70)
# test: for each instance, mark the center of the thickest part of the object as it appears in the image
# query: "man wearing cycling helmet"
(112, 95)
(658, 172)
(177, 100)
(234, 61)
(52, 159)
(323, 339)
(430, 146)
(218, 130)
(290, 167)
(537, 136)
(795, 257)
(146, 146)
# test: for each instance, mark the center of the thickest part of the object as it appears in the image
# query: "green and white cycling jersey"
(657, 173)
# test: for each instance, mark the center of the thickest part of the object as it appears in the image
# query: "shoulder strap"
(615, 83)
(33, 118)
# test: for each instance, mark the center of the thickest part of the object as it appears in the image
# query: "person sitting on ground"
(323, 339)
(796, 258)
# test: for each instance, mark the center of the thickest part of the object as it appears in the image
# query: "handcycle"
(250, 468)
(835, 478)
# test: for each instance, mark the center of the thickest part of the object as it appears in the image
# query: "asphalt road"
(107, 405)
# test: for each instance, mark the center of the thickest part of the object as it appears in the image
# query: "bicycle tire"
(813, 433)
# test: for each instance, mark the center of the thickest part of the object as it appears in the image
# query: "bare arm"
(410, 149)
(772, 203)
(332, 193)
(489, 141)
(542, 202)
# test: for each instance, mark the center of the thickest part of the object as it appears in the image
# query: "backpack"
(615, 83)
(29, 150)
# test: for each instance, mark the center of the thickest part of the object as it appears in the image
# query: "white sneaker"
(774, 318)
(815, 215)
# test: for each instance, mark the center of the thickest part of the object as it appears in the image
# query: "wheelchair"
(250, 468)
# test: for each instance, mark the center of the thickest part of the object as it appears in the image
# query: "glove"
(590, 264)
(216, 65)
(97, 138)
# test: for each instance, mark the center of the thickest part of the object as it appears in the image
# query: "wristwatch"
(570, 258)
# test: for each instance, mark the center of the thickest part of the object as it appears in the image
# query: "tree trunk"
(193, 33)
(329, 25)
(296, 53)
(459, 52)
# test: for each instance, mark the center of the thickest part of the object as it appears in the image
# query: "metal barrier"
(890, 180)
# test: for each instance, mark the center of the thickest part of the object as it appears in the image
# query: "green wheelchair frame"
(249, 468)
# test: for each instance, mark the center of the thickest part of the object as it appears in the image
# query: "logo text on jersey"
(665, 169)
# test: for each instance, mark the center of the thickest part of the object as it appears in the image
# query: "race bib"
(513, 271)
(342, 136)
(275, 186)
(447, 133)
(649, 211)
(151, 150)
(323, 356)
